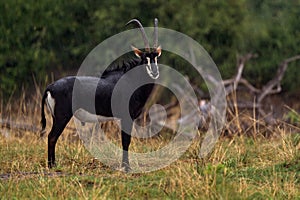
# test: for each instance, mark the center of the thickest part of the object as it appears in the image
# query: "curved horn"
(146, 42)
(155, 43)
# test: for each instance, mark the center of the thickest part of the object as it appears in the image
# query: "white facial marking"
(50, 101)
(148, 68)
(148, 60)
(156, 77)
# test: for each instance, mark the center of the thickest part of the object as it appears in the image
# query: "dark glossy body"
(94, 94)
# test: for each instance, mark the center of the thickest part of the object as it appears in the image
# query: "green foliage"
(47, 36)
(293, 117)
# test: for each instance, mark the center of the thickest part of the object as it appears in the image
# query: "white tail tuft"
(50, 101)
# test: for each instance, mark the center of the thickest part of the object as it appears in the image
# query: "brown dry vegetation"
(247, 164)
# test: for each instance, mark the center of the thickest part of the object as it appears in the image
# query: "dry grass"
(240, 167)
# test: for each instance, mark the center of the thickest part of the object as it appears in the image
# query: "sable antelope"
(58, 95)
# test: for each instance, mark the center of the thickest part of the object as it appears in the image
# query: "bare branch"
(23, 126)
(272, 87)
(241, 65)
(19, 126)
(249, 86)
(268, 88)
(291, 59)
(238, 77)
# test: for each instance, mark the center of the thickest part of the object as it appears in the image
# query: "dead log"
(8, 124)
(274, 85)
(18, 126)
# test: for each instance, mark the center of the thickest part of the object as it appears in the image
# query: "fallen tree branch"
(234, 82)
(249, 86)
(241, 64)
(19, 126)
(269, 87)
(23, 126)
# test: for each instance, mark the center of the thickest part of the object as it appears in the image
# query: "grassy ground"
(238, 168)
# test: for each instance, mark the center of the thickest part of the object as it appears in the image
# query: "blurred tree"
(38, 37)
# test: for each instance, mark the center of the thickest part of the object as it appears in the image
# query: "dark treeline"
(39, 37)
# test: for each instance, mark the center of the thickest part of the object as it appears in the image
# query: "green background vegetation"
(38, 38)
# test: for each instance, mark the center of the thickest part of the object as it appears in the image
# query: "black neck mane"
(122, 64)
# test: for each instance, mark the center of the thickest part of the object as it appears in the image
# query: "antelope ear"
(136, 51)
(158, 50)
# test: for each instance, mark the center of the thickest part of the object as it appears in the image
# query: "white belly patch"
(84, 116)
